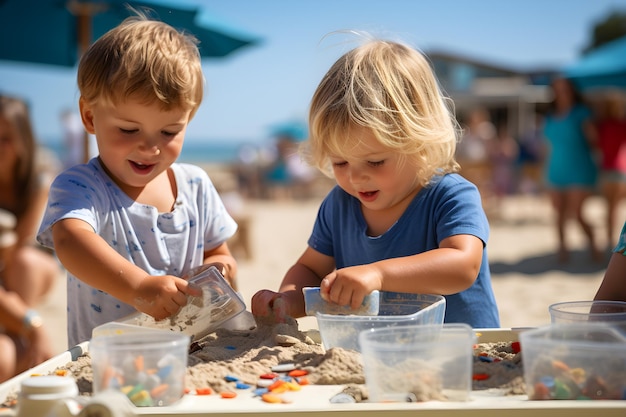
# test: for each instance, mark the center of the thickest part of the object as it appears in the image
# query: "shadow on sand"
(580, 263)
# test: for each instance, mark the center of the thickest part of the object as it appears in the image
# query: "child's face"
(136, 141)
(373, 173)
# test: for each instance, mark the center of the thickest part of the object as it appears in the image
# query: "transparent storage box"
(418, 362)
(147, 367)
(395, 309)
(581, 361)
(202, 315)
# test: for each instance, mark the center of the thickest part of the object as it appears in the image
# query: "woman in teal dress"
(571, 172)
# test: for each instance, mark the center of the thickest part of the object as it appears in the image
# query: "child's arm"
(451, 268)
(613, 286)
(224, 261)
(306, 272)
(86, 255)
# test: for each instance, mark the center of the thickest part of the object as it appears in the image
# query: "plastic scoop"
(314, 303)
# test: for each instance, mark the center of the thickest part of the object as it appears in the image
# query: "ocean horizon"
(194, 151)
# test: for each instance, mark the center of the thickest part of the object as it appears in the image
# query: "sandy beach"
(526, 275)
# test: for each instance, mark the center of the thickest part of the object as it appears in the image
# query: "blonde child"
(399, 219)
(128, 224)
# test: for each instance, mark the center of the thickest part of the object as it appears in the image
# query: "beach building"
(511, 95)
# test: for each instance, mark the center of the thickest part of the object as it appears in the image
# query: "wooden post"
(84, 39)
(84, 12)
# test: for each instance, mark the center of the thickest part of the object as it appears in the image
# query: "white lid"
(49, 386)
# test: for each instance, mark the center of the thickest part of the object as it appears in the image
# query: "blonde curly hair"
(390, 88)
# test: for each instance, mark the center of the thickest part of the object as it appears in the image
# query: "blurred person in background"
(473, 153)
(27, 271)
(503, 153)
(74, 140)
(478, 134)
(289, 176)
(531, 157)
(570, 170)
(277, 176)
(611, 140)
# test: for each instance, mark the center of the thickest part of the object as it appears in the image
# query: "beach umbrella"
(57, 32)
(604, 67)
(296, 130)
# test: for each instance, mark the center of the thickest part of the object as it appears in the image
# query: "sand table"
(245, 355)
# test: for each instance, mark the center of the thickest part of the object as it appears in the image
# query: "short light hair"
(143, 59)
(391, 89)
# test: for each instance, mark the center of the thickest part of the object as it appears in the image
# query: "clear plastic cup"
(613, 312)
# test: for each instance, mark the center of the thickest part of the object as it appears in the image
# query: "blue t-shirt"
(450, 206)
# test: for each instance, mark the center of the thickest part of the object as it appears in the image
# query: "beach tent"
(604, 67)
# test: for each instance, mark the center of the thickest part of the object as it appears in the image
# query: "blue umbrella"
(296, 130)
(57, 31)
(602, 67)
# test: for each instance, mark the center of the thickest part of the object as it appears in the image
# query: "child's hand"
(269, 304)
(162, 296)
(349, 286)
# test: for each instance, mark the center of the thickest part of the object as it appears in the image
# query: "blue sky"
(271, 83)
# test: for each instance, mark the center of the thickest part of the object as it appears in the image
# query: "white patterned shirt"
(160, 243)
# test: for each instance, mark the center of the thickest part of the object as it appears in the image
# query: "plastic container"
(418, 362)
(574, 362)
(202, 315)
(613, 312)
(314, 303)
(42, 395)
(395, 309)
(148, 367)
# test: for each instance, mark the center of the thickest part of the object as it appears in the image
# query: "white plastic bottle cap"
(49, 386)
(41, 394)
